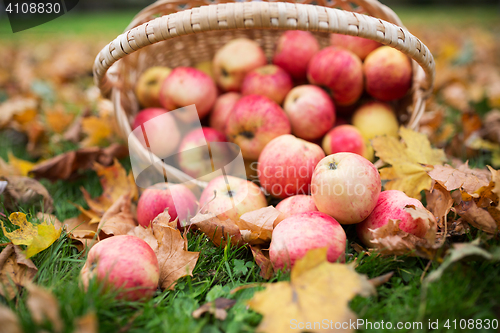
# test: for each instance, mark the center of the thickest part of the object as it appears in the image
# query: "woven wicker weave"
(179, 33)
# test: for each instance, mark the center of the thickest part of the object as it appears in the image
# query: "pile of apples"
(283, 116)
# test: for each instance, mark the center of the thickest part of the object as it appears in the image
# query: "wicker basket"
(182, 33)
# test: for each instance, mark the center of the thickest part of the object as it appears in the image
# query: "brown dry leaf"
(9, 320)
(256, 227)
(410, 161)
(217, 308)
(115, 183)
(43, 306)
(218, 231)
(25, 191)
(470, 180)
(455, 95)
(58, 119)
(98, 131)
(118, 219)
(261, 257)
(15, 270)
(317, 290)
(81, 231)
(87, 324)
(15, 166)
(477, 217)
(66, 165)
(390, 240)
(439, 203)
(492, 126)
(146, 234)
(16, 106)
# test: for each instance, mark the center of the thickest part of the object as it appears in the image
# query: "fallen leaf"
(87, 323)
(145, 234)
(380, 280)
(16, 106)
(410, 161)
(9, 320)
(66, 165)
(259, 223)
(58, 119)
(15, 270)
(439, 202)
(98, 131)
(317, 290)
(115, 182)
(262, 260)
(79, 227)
(43, 306)
(424, 219)
(15, 166)
(217, 308)
(25, 191)
(37, 238)
(118, 219)
(477, 217)
(492, 126)
(470, 180)
(218, 231)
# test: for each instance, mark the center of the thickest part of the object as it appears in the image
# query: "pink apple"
(161, 130)
(195, 162)
(297, 204)
(388, 74)
(294, 50)
(222, 108)
(233, 197)
(270, 81)
(390, 206)
(254, 121)
(186, 86)
(339, 70)
(148, 86)
(344, 138)
(357, 45)
(125, 263)
(235, 60)
(310, 110)
(286, 166)
(346, 186)
(156, 198)
(299, 233)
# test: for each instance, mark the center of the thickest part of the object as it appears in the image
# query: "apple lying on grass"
(297, 204)
(294, 50)
(124, 263)
(148, 86)
(388, 74)
(186, 86)
(391, 205)
(357, 45)
(310, 110)
(156, 198)
(230, 197)
(340, 71)
(286, 166)
(254, 121)
(345, 186)
(299, 233)
(222, 108)
(344, 139)
(270, 81)
(235, 60)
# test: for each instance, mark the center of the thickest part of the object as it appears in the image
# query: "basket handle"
(265, 15)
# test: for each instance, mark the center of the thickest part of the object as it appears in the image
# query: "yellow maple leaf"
(15, 166)
(37, 238)
(97, 129)
(410, 160)
(58, 119)
(318, 292)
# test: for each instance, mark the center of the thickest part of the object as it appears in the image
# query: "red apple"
(297, 204)
(339, 70)
(299, 233)
(346, 186)
(310, 110)
(235, 60)
(375, 119)
(222, 108)
(148, 86)
(198, 162)
(286, 166)
(388, 74)
(270, 81)
(294, 50)
(179, 200)
(357, 45)
(163, 135)
(390, 206)
(186, 86)
(230, 197)
(125, 263)
(254, 121)
(344, 138)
